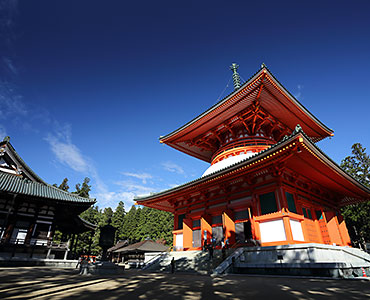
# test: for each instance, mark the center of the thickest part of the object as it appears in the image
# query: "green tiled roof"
(16, 184)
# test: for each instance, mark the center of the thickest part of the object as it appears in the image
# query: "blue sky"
(87, 87)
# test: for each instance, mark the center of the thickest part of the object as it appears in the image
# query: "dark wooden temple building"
(268, 183)
(31, 210)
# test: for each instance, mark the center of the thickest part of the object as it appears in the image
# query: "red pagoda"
(268, 183)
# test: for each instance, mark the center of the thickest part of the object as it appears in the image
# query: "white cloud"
(108, 198)
(2, 132)
(129, 190)
(171, 185)
(68, 154)
(10, 65)
(299, 92)
(134, 187)
(172, 167)
(10, 101)
(142, 176)
(111, 199)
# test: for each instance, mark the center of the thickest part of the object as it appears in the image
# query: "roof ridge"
(214, 105)
(23, 163)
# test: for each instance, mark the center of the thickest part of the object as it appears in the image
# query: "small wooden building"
(268, 182)
(31, 210)
(137, 254)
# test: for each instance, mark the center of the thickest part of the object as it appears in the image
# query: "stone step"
(187, 261)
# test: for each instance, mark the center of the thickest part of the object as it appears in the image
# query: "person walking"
(173, 265)
(223, 250)
(205, 245)
(210, 249)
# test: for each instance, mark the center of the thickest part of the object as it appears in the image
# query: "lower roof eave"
(359, 192)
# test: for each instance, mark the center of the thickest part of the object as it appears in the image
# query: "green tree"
(94, 216)
(106, 216)
(152, 224)
(128, 226)
(118, 219)
(84, 189)
(357, 216)
(64, 185)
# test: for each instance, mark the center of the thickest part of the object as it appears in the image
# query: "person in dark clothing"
(173, 265)
(223, 251)
(210, 249)
(205, 245)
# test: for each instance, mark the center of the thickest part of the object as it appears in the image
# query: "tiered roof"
(261, 98)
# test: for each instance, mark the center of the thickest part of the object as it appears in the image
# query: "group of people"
(210, 247)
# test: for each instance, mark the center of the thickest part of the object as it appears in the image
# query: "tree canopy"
(138, 224)
(84, 189)
(357, 216)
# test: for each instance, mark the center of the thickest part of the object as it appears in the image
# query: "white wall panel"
(296, 230)
(179, 240)
(272, 231)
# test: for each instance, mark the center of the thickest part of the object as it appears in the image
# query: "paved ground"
(44, 283)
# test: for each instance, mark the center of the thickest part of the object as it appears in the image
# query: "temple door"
(243, 231)
(239, 232)
(218, 234)
(323, 227)
(197, 238)
(310, 231)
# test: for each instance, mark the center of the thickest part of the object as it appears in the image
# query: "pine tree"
(118, 220)
(64, 185)
(128, 226)
(357, 216)
(107, 216)
(84, 190)
(94, 216)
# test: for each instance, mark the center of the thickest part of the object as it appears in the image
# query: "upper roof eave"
(330, 132)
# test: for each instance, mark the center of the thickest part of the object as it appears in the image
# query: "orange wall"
(205, 224)
(188, 233)
(229, 226)
(344, 232)
(333, 229)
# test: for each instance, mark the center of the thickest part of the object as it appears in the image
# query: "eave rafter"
(244, 122)
(229, 128)
(217, 136)
(253, 119)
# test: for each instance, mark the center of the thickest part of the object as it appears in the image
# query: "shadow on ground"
(43, 283)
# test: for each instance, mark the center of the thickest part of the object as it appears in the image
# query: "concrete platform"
(299, 260)
(24, 262)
